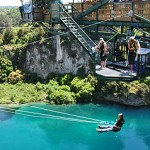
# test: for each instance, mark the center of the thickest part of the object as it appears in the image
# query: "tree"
(4, 21)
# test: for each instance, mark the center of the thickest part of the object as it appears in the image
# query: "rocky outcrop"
(132, 100)
(69, 58)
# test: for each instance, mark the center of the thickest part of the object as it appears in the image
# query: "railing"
(78, 29)
(119, 8)
(103, 13)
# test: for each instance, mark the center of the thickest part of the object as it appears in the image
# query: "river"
(25, 132)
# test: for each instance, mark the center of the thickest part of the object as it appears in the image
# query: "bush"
(59, 94)
(66, 79)
(8, 35)
(15, 77)
(115, 88)
(62, 97)
(82, 89)
(5, 68)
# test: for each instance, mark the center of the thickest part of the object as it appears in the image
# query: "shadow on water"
(6, 115)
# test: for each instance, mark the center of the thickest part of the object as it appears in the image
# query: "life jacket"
(119, 123)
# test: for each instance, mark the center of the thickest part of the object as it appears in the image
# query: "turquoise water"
(19, 132)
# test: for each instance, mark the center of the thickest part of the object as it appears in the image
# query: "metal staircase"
(77, 31)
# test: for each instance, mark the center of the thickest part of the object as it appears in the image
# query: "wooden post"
(97, 21)
(138, 65)
(82, 5)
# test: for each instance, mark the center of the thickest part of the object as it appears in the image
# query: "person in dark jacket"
(102, 47)
(115, 128)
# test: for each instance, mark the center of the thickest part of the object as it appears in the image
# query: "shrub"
(15, 76)
(5, 68)
(8, 35)
(82, 89)
(62, 97)
(66, 79)
(115, 88)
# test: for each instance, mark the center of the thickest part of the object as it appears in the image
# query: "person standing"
(102, 47)
(134, 48)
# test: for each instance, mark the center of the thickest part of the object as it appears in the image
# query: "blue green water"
(19, 132)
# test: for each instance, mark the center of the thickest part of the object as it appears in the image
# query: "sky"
(18, 2)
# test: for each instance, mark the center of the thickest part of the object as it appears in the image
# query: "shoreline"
(18, 105)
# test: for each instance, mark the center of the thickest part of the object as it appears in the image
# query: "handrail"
(81, 36)
(142, 18)
(78, 26)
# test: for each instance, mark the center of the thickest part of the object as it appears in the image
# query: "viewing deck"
(111, 72)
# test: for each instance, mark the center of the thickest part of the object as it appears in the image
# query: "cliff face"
(69, 58)
(132, 100)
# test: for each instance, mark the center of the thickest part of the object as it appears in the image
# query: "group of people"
(133, 51)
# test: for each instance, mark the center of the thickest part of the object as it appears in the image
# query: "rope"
(99, 121)
(45, 115)
(112, 37)
(64, 113)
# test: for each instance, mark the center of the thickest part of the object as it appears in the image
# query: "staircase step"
(74, 29)
(66, 17)
(72, 26)
(77, 31)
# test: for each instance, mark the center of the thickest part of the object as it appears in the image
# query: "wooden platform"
(111, 72)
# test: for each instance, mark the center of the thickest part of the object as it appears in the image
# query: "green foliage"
(20, 93)
(13, 15)
(55, 76)
(8, 36)
(5, 68)
(109, 88)
(66, 79)
(147, 81)
(92, 80)
(62, 97)
(15, 77)
(1, 39)
(5, 21)
(82, 89)
(115, 88)
(39, 86)
(31, 77)
(15, 41)
(59, 94)
(140, 89)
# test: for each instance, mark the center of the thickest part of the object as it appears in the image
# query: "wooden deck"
(111, 72)
(119, 70)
